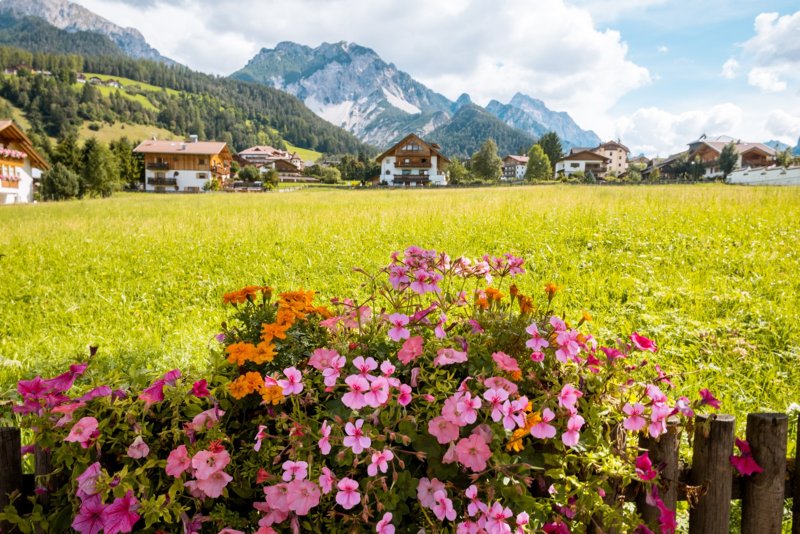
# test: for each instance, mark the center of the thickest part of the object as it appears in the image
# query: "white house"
(583, 161)
(617, 155)
(413, 162)
(514, 167)
(18, 159)
(177, 166)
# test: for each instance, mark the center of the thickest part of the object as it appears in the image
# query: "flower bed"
(446, 401)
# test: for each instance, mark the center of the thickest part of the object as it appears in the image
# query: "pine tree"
(486, 164)
(99, 173)
(551, 145)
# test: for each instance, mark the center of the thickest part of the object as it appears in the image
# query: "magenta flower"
(745, 463)
(293, 384)
(324, 441)
(644, 467)
(154, 393)
(443, 507)
(569, 396)
(380, 462)
(537, 356)
(303, 496)
(634, 422)
(83, 432)
(642, 343)
(449, 356)
(404, 395)
(708, 398)
(412, 348)
(473, 452)
(213, 485)
(171, 377)
(90, 516)
(200, 389)
(294, 470)
(87, 481)
(120, 515)
(426, 489)
(572, 435)
(326, 480)
(443, 430)
(100, 391)
(385, 526)
(398, 330)
(355, 438)
(505, 362)
(348, 496)
(138, 449)
(542, 429)
(178, 461)
(354, 399)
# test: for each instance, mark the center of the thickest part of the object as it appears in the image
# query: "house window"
(406, 172)
(202, 175)
(424, 160)
(412, 148)
(574, 165)
(406, 160)
(161, 175)
(388, 171)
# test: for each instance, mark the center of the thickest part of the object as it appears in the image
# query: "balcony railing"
(406, 178)
(413, 164)
(162, 181)
(160, 165)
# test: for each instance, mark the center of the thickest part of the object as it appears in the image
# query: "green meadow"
(712, 273)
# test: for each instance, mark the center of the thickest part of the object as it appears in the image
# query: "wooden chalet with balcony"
(584, 161)
(749, 155)
(18, 159)
(413, 162)
(175, 166)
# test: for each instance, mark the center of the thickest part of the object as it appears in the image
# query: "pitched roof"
(177, 147)
(263, 149)
(11, 131)
(434, 148)
(741, 147)
(584, 155)
(518, 159)
(612, 144)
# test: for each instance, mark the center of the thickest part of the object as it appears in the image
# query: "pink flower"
(200, 388)
(326, 480)
(348, 496)
(644, 467)
(303, 496)
(498, 382)
(324, 441)
(473, 452)
(572, 435)
(355, 438)
(90, 517)
(475, 506)
(385, 526)
(505, 362)
(449, 356)
(206, 419)
(120, 515)
(496, 518)
(443, 507)
(178, 461)
(443, 430)
(412, 348)
(569, 396)
(568, 345)
(404, 395)
(378, 393)
(634, 422)
(398, 330)
(294, 470)
(354, 399)
(83, 431)
(365, 366)
(642, 343)
(542, 429)
(260, 435)
(154, 393)
(468, 406)
(745, 463)
(293, 384)
(496, 398)
(213, 485)
(207, 463)
(536, 342)
(514, 413)
(522, 521)
(333, 372)
(659, 413)
(708, 398)
(380, 462)
(426, 489)
(138, 449)
(87, 481)
(322, 358)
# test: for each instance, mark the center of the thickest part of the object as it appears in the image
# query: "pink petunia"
(448, 356)
(644, 467)
(426, 489)
(398, 330)
(498, 382)
(154, 393)
(473, 452)
(294, 470)
(89, 519)
(404, 395)
(348, 495)
(120, 515)
(260, 435)
(206, 419)
(568, 396)
(87, 481)
(207, 463)
(83, 432)
(385, 526)
(322, 358)
(634, 422)
(293, 384)
(571, 437)
(505, 362)
(496, 398)
(200, 389)
(354, 399)
(542, 429)
(706, 397)
(443, 507)
(303, 496)
(443, 430)
(356, 439)
(138, 449)
(745, 463)
(642, 343)
(496, 518)
(412, 348)
(537, 356)
(380, 462)
(378, 393)
(324, 441)
(178, 461)
(213, 485)
(171, 377)
(326, 480)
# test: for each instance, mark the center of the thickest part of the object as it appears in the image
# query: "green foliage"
(99, 171)
(249, 173)
(461, 136)
(486, 164)
(358, 168)
(129, 164)
(728, 159)
(326, 174)
(551, 145)
(271, 179)
(59, 183)
(784, 158)
(539, 167)
(458, 174)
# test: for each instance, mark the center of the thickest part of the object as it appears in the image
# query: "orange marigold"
(244, 294)
(272, 394)
(550, 288)
(241, 352)
(265, 352)
(525, 304)
(274, 330)
(493, 294)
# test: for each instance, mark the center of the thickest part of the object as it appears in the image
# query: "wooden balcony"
(409, 178)
(158, 166)
(413, 165)
(162, 181)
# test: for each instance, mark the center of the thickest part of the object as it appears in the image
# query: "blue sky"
(649, 72)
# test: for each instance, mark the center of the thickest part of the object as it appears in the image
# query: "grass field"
(118, 130)
(710, 272)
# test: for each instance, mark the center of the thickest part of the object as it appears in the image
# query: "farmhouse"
(749, 155)
(17, 161)
(514, 167)
(582, 160)
(413, 162)
(267, 155)
(617, 155)
(174, 166)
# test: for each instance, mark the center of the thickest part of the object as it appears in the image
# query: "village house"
(514, 167)
(413, 162)
(617, 155)
(175, 166)
(749, 155)
(18, 159)
(584, 161)
(266, 155)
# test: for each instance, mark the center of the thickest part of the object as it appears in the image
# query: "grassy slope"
(708, 271)
(305, 153)
(134, 132)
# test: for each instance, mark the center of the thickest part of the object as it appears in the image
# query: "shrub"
(444, 400)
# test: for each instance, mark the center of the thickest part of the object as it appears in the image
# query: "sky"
(655, 74)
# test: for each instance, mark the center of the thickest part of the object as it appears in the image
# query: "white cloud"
(773, 53)
(730, 69)
(783, 125)
(767, 79)
(547, 49)
(663, 49)
(611, 10)
(654, 131)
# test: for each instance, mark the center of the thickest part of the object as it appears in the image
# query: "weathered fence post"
(43, 469)
(711, 469)
(762, 501)
(10, 467)
(663, 452)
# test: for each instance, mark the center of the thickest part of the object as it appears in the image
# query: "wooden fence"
(709, 484)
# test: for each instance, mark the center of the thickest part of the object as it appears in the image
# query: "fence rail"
(709, 484)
